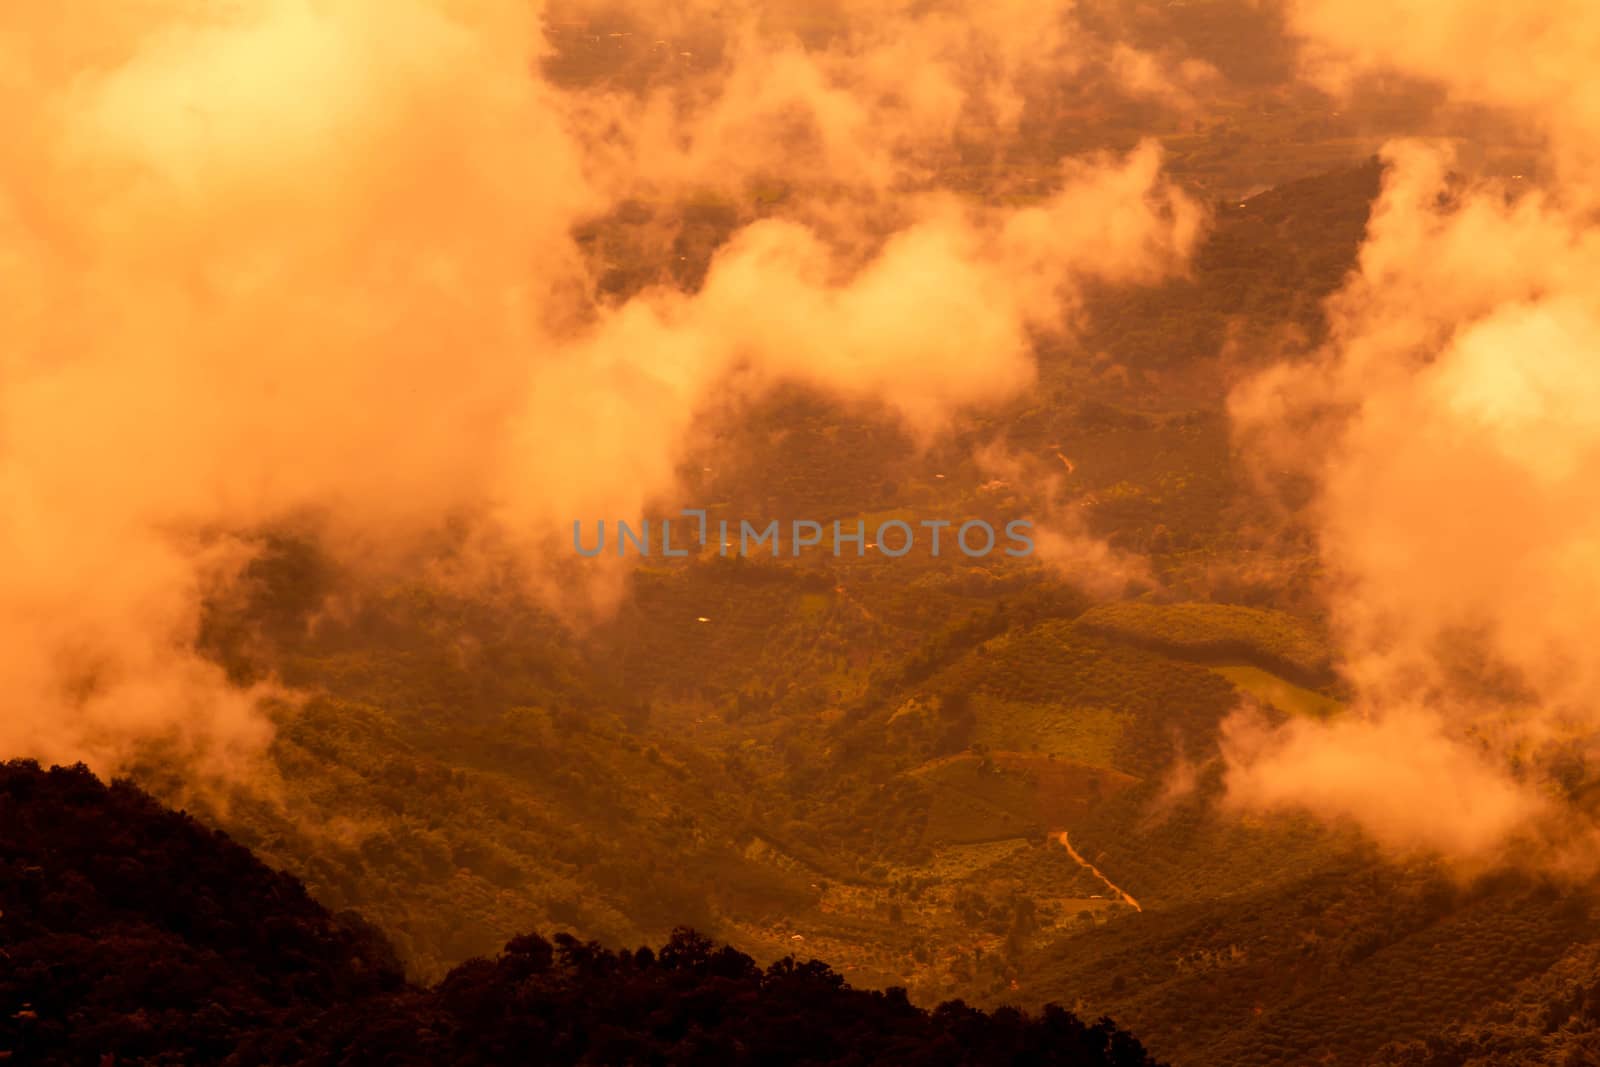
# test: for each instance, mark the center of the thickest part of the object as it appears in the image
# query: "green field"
(1287, 697)
(1217, 633)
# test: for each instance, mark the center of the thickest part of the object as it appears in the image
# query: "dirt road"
(1117, 891)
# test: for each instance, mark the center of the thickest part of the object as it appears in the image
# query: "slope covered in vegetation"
(132, 934)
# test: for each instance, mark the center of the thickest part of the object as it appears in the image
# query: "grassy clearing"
(974, 801)
(1217, 633)
(1287, 697)
(1000, 795)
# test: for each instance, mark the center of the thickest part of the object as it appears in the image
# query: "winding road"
(1118, 891)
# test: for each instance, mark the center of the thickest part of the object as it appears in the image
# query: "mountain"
(897, 747)
(1272, 325)
(493, 767)
(130, 933)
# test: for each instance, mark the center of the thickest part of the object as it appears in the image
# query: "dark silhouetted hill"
(130, 933)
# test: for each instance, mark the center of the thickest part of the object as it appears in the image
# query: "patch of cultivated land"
(1218, 634)
(1284, 695)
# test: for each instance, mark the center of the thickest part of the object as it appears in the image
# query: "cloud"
(1402, 777)
(292, 263)
(1448, 425)
(1528, 61)
(858, 100)
(1061, 536)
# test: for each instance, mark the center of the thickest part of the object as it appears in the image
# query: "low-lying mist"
(291, 263)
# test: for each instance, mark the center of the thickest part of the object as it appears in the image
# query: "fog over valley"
(729, 531)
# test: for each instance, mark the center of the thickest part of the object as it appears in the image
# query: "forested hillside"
(330, 334)
(132, 934)
(897, 744)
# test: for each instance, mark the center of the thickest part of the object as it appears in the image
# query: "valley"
(339, 339)
(879, 762)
